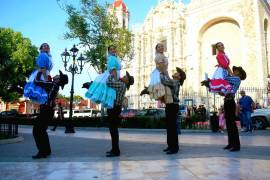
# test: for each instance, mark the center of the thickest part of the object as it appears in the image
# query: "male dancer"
(171, 108)
(46, 114)
(230, 107)
(120, 86)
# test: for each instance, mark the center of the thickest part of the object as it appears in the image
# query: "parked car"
(96, 113)
(80, 113)
(183, 110)
(261, 118)
(11, 113)
(127, 113)
(156, 113)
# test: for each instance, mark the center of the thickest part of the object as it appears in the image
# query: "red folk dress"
(218, 82)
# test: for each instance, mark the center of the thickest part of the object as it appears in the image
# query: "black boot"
(40, 155)
(205, 83)
(144, 91)
(87, 84)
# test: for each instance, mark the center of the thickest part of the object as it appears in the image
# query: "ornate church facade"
(189, 32)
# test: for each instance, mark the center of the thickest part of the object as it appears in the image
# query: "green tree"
(96, 29)
(60, 96)
(17, 57)
(77, 99)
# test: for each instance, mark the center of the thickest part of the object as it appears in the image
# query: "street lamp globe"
(74, 50)
(65, 57)
(81, 61)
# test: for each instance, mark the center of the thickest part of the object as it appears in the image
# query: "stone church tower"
(188, 32)
(120, 10)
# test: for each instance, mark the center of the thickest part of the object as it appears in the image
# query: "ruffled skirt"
(156, 88)
(35, 93)
(220, 86)
(218, 83)
(100, 93)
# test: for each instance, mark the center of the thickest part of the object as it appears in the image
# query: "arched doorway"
(224, 30)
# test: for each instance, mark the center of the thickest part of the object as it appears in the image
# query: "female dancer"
(42, 73)
(156, 89)
(99, 92)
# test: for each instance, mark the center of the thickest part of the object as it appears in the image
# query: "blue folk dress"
(36, 93)
(99, 92)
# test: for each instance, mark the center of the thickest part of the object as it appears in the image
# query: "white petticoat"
(155, 88)
(220, 73)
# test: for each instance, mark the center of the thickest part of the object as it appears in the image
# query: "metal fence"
(212, 101)
(9, 129)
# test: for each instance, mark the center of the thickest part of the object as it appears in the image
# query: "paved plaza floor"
(82, 156)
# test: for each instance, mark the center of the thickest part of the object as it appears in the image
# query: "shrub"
(143, 122)
(6, 136)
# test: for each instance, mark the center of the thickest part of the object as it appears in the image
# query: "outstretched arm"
(230, 71)
(165, 80)
(114, 73)
(235, 81)
(41, 83)
(52, 94)
(116, 84)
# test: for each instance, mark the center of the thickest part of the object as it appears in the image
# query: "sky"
(44, 21)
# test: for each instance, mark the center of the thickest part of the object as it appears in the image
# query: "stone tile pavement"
(82, 156)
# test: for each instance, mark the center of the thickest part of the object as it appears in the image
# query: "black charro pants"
(114, 121)
(40, 129)
(171, 111)
(229, 112)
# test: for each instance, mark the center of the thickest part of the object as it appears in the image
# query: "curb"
(11, 140)
(153, 130)
(163, 130)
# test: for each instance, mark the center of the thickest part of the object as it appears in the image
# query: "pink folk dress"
(218, 82)
(221, 121)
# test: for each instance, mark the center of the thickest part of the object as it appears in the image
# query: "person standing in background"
(246, 108)
(60, 116)
(221, 119)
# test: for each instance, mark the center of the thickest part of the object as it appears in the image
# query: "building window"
(124, 23)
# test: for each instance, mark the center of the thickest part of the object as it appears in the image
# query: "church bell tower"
(120, 10)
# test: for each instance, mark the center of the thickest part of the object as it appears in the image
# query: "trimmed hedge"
(143, 122)
(6, 136)
(133, 122)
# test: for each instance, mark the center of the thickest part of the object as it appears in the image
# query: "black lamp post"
(73, 68)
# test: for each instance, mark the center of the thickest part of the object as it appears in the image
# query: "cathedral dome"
(121, 4)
